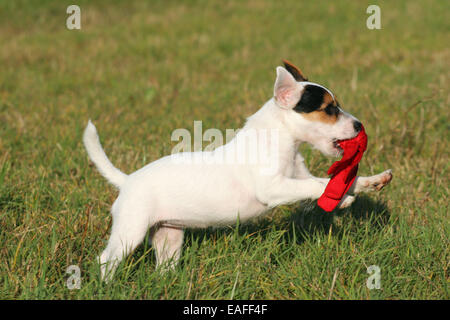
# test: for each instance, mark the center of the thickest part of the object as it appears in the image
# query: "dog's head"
(313, 113)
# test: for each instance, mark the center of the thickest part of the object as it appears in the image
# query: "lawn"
(141, 69)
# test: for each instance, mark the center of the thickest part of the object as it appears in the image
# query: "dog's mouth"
(336, 144)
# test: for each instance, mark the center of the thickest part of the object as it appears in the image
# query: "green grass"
(140, 70)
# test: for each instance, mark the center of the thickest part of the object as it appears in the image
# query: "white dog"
(199, 191)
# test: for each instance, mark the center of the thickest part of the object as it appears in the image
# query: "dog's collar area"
(305, 83)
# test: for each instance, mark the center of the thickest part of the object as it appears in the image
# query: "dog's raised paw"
(383, 180)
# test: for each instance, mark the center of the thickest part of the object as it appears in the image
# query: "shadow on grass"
(307, 221)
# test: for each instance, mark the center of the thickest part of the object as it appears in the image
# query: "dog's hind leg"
(167, 242)
(126, 234)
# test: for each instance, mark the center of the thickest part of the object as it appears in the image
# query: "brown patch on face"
(327, 99)
(320, 116)
(326, 113)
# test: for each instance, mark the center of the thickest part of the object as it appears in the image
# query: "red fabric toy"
(343, 171)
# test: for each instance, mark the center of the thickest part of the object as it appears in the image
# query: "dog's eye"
(331, 110)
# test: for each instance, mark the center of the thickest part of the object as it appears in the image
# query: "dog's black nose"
(357, 126)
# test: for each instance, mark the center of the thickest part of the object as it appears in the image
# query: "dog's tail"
(98, 156)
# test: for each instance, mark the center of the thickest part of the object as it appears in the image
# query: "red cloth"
(343, 171)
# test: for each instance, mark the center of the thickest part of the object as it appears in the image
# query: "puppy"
(201, 189)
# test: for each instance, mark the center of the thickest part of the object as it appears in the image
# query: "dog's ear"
(286, 90)
(296, 72)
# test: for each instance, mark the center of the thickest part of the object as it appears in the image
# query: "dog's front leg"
(300, 169)
(302, 172)
(361, 184)
(282, 190)
(366, 184)
(372, 183)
